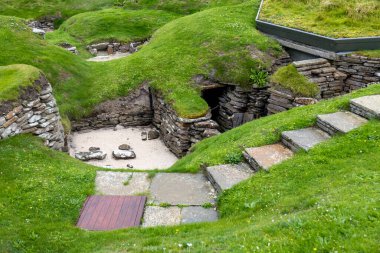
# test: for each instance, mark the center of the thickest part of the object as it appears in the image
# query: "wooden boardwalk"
(111, 212)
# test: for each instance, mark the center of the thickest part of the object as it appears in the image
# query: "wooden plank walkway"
(111, 212)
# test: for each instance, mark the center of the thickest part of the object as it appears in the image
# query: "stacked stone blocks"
(36, 112)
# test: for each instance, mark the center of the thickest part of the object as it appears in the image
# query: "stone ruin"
(114, 47)
(34, 111)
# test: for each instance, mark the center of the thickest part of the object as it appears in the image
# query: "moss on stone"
(289, 78)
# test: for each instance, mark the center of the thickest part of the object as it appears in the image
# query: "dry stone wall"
(327, 77)
(179, 134)
(361, 71)
(283, 99)
(133, 110)
(238, 106)
(36, 112)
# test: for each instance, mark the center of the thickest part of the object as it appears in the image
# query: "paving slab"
(225, 176)
(339, 122)
(115, 183)
(303, 138)
(266, 156)
(368, 106)
(194, 214)
(161, 216)
(181, 189)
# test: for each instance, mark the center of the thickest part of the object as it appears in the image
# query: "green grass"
(325, 200)
(14, 78)
(334, 18)
(369, 53)
(220, 43)
(110, 24)
(289, 78)
(38, 8)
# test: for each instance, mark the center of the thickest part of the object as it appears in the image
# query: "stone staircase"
(225, 176)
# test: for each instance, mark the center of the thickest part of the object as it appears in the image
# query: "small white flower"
(189, 244)
(180, 245)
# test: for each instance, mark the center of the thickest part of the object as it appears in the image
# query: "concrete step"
(223, 177)
(266, 156)
(339, 122)
(303, 138)
(367, 107)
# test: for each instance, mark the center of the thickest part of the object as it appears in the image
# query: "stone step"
(367, 107)
(223, 177)
(266, 156)
(339, 122)
(303, 138)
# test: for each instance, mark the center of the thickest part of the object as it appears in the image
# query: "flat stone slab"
(194, 214)
(121, 183)
(304, 138)
(225, 176)
(339, 122)
(266, 156)
(368, 106)
(181, 189)
(161, 216)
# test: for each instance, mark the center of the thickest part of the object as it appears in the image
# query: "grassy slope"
(15, 76)
(39, 8)
(334, 18)
(322, 201)
(109, 24)
(213, 40)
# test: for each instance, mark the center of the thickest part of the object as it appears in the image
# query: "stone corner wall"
(282, 99)
(360, 70)
(179, 134)
(132, 110)
(320, 71)
(36, 112)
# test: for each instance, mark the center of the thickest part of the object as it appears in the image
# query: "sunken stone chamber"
(34, 111)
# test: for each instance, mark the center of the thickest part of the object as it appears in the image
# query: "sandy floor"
(150, 154)
(105, 57)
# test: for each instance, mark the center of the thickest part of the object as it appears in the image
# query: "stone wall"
(133, 110)
(238, 106)
(283, 99)
(179, 134)
(327, 77)
(360, 70)
(36, 112)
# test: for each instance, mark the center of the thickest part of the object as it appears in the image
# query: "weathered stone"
(123, 154)
(367, 106)
(224, 177)
(87, 156)
(94, 149)
(2, 121)
(153, 134)
(125, 147)
(121, 183)
(194, 214)
(179, 188)
(160, 216)
(266, 156)
(339, 122)
(303, 138)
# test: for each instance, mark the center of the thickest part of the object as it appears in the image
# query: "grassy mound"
(39, 8)
(289, 78)
(334, 18)
(14, 77)
(321, 201)
(220, 43)
(110, 24)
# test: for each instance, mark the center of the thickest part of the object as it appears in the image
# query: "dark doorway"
(211, 96)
